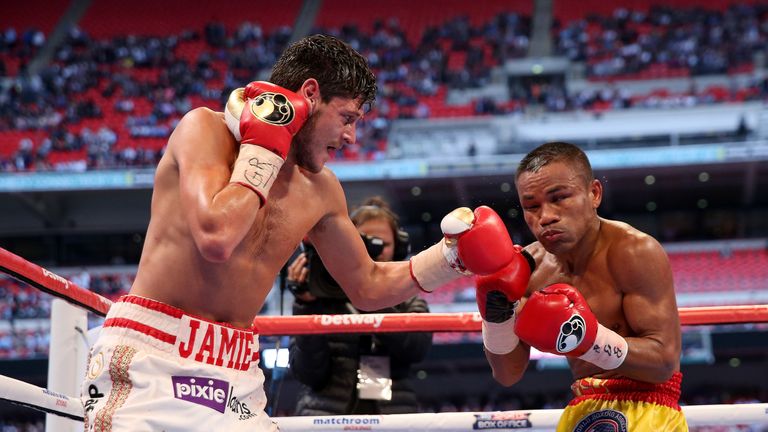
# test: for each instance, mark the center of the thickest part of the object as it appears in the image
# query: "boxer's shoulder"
(627, 242)
(201, 127)
(202, 114)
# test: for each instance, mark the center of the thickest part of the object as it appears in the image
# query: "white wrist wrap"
(256, 168)
(500, 338)
(609, 350)
(430, 269)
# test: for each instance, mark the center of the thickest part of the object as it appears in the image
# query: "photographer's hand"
(297, 271)
(297, 275)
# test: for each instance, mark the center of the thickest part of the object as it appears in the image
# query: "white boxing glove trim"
(608, 351)
(256, 168)
(457, 221)
(430, 269)
(500, 338)
(233, 110)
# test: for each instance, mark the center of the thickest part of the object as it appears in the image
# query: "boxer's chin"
(306, 157)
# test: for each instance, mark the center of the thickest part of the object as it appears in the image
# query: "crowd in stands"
(11, 425)
(105, 103)
(667, 41)
(27, 310)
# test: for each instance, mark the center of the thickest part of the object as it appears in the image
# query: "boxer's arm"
(219, 214)
(369, 285)
(642, 271)
(509, 368)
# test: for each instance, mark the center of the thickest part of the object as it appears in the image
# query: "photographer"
(333, 368)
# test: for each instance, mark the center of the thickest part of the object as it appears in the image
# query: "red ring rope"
(53, 284)
(56, 285)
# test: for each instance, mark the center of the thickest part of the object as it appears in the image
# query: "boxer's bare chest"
(595, 283)
(293, 208)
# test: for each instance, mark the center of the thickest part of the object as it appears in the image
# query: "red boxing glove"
(558, 320)
(478, 239)
(497, 298)
(474, 243)
(264, 117)
(273, 117)
(497, 294)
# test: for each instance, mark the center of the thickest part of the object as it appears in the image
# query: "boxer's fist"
(263, 117)
(266, 115)
(476, 242)
(498, 293)
(558, 320)
(497, 297)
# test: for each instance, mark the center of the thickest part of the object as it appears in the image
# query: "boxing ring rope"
(53, 284)
(51, 402)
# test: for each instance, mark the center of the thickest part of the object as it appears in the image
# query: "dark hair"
(338, 68)
(375, 207)
(556, 151)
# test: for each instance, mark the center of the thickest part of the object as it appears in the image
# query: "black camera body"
(319, 282)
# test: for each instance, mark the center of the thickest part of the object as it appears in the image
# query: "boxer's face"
(380, 228)
(332, 126)
(559, 205)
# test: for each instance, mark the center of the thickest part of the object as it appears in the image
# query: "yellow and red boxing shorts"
(624, 405)
(154, 367)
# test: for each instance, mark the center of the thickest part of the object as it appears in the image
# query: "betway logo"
(357, 319)
(56, 277)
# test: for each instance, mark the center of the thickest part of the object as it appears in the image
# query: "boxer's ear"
(311, 92)
(596, 193)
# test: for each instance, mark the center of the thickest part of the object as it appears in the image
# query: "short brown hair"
(338, 68)
(372, 208)
(556, 151)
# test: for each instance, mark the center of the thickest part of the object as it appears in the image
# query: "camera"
(319, 282)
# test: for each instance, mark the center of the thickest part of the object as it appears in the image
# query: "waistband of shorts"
(174, 332)
(625, 389)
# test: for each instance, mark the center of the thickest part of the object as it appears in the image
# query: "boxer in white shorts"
(234, 194)
(206, 373)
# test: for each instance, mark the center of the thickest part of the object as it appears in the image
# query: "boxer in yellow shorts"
(609, 405)
(597, 291)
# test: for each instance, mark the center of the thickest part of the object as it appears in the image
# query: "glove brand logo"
(273, 108)
(209, 392)
(571, 334)
(603, 421)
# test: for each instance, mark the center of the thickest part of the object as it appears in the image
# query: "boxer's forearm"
(509, 368)
(650, 360)
(220, 222)
(385, 285)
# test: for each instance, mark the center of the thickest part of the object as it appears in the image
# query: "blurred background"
(668, 98)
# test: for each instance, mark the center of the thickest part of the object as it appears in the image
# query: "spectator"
(328, 366)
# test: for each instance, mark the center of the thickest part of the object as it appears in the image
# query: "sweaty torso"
(173, 271)
(596, 281)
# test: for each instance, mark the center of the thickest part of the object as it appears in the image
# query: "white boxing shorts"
(155, 368)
